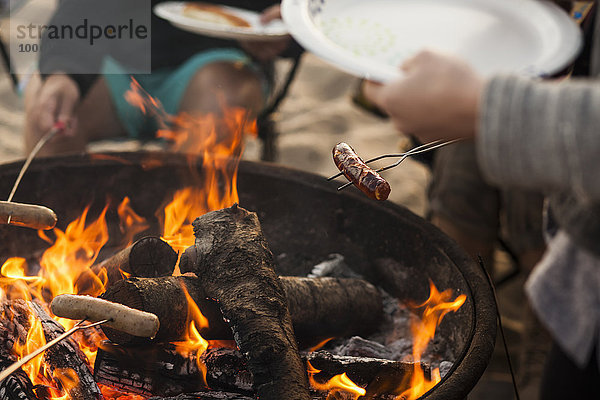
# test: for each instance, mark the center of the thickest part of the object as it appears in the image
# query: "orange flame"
(14, 282)
(129, 221)
(35, 339)
(423, 330)
(194, 342)
(338, 383)
(320, 345)
(218, 139)
(73, 252)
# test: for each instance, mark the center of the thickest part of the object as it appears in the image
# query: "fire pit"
(304, 220)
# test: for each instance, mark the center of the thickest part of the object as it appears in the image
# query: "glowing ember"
(423, 330)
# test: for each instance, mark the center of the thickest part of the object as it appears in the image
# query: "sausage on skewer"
(122, 318)
(359, 173)
(27, 215)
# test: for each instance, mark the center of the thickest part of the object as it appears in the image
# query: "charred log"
(376, 375)
(66, 355)
(163, 372)
(320, 308)
(206, 396)
(148, 257)
(17, 386)
(235, 267)
(13, 328)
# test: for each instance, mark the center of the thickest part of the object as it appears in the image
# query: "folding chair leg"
(267, 134)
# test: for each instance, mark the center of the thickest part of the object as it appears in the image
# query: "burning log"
(17, 386)
(206, 396)
(235, 267)
(165, 297)
(320, 307)
(163, 372)
(66, 355)
(13, 328)
(148, 257)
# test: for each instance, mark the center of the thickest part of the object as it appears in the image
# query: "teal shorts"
(168, 85)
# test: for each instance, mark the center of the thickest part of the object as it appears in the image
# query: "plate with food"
(219, 21)
(372, 38)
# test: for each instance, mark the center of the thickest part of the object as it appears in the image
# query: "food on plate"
(213, 14)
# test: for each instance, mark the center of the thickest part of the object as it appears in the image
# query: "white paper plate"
(371, 38)
(172, 11)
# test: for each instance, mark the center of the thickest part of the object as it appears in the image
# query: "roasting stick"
(15, 366)
(30, 215)
(118, 316)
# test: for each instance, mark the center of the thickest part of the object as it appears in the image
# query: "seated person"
(188, 71)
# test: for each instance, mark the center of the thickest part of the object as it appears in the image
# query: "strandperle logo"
(85, 30)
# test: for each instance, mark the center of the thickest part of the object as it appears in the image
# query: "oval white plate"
(372, 38)
(172, 11)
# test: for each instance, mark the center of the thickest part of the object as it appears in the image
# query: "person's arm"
(543, 135)
(539, 135)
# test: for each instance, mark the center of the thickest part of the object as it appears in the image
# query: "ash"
(393, 339)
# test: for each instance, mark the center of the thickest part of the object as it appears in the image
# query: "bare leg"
(96, 120)
(233, 83)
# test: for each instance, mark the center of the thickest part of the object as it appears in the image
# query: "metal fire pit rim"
(474, 357)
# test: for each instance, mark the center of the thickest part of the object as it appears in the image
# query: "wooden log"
(379, 377)
(320, 308)
(66, 355)
(323, 308)
(161, 371)
(148, 257)
(165, 297)
(236, 267)
(17, 386)
(13, 327)
(206, 396)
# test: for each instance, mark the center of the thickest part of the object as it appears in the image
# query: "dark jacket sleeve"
(62, 51)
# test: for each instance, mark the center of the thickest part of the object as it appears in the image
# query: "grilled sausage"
(359, 173)
(123, 318)
(27, 215)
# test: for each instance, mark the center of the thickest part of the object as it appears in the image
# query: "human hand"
(267, 50)
(437, 98)
(56, 102)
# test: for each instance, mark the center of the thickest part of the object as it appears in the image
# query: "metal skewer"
(403, 156)
(57, 127)
(15, 366)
